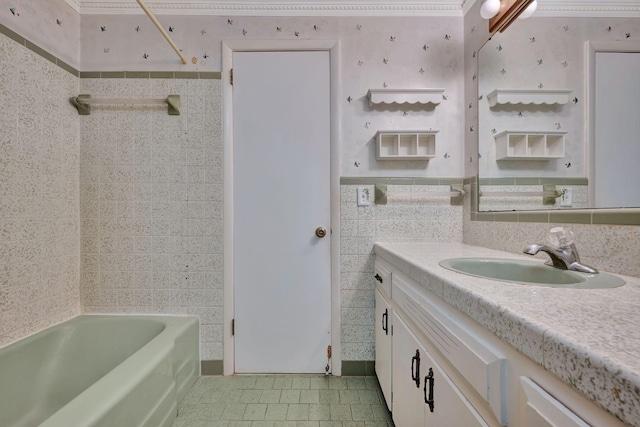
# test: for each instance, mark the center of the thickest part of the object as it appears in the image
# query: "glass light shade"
(489, 8)
(530, 10)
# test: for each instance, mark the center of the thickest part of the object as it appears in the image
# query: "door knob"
(321, 232)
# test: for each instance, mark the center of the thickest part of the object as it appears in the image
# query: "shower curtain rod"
(162, 30)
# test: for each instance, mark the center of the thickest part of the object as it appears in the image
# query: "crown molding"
(546, 8)
(283, 8)
(613, 10)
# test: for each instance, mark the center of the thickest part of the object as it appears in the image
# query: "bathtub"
(100, 370)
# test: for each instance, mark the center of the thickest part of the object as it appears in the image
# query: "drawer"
(544, 410)
(484, 368)
(382, 276)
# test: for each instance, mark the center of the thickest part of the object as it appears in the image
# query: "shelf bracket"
(84, 109)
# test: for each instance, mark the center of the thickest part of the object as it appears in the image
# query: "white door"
(281, 195)
(617, 144)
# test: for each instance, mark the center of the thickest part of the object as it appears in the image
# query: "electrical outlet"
(364, 198)
(566, 199)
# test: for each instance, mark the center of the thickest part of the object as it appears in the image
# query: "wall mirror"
(543, 140)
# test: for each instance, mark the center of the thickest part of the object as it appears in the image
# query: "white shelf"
(406, 145)
(534, 96)
(519, 145)
(405, 96)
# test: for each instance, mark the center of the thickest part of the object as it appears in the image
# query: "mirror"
(538, 145)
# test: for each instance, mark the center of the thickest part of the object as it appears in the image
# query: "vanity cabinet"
(416, 385)
(382, 276)
(423, 393)
(383, 345)
(440, 368)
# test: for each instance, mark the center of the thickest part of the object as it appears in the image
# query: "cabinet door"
(407, 354)
(383, 346)
(448, 405)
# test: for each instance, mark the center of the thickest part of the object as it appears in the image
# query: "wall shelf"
(519, 145)
(405, 96)
(534, 96)
(406, 145)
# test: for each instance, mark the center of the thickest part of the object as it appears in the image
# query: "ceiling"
(342, 7)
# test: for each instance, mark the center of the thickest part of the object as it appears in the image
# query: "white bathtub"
(100, 370)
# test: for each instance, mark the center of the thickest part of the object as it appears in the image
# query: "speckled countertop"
(588, 338)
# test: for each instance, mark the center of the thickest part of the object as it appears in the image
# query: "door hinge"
(328, 367)
(233, 327)
(231, 76)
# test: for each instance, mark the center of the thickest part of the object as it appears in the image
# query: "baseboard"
(358, 368)
(211, 367)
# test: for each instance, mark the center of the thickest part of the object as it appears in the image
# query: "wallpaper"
(541, 54)
(375, 53)
(52, 25)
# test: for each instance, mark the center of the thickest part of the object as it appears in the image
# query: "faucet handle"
(561, 237)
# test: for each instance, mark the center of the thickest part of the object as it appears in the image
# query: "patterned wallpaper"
(53, 25)
(539, 54)
(392, 52)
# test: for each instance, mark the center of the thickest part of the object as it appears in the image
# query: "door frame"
(592, 48)
(228, 48)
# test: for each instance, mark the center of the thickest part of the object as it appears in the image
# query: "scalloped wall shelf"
(534, 96)
(405, 96)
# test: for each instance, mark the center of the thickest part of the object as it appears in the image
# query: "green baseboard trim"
(358, 368)
(211, 367)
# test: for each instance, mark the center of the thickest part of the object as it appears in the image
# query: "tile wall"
(151, 203)
(414, 212)
(39, 162)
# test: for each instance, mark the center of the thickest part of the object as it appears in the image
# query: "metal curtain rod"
(82, 103)
(162, 31)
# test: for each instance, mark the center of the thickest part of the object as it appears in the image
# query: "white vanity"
(456, 350)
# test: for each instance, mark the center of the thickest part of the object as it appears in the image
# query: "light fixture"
(489, 8)
(530, 10)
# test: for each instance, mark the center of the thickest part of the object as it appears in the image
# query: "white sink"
(530, 273)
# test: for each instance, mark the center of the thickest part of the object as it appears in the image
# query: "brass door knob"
(321, 232)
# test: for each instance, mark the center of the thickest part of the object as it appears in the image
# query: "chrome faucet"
(563, 253)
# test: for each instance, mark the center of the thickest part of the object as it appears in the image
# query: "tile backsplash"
(414, 212)
(39, 177)
(151, 203)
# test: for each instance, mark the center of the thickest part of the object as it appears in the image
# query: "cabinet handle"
(385, 321)
(429, 379)
(378, 278)
(415, 368)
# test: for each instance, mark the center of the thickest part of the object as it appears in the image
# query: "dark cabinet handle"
(385, 321)
(429, 379)
(415, 368)
(378, 278)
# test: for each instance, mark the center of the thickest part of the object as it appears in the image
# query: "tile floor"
(284, 401)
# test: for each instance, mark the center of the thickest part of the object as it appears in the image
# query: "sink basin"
(530, 273)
